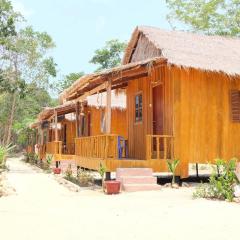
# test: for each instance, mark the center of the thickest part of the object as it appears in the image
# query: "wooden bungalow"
(183, 101)
(58, 127)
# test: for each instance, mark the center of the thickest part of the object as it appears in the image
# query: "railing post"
(165, 148)
(158, 146)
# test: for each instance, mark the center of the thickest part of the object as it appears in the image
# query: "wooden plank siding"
(203, 128)
(137, 131)
(118, 119)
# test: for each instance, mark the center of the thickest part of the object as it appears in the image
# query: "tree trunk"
(11, 118)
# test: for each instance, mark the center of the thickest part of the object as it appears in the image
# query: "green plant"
(220, 185)
(49, 158)
(4, 151)
(102, 171)
(172, 165)
(69, 173)
(85, 178)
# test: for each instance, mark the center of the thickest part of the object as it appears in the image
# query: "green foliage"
(110, 55)
(220, 185)
(49, 158)
(220, 17)
(67, 81)
(8, 20)
(26, 110)
(172, 166)
(4, 151)
(102, 170)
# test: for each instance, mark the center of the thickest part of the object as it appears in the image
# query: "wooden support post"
(108, 176)
(77, 119)
(41, 131)
(197, 170)
(56, 129)
(108, 107)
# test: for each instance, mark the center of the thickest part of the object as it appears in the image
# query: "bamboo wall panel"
(118, 121)
(203, 128)
(137, 131)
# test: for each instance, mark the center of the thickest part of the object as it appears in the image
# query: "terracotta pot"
(57, 170)
(112, 187)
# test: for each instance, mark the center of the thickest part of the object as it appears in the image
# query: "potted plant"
(112, 187)
(172, 165)
(56, 170)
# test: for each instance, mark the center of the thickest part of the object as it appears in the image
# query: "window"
(235, 105)
(138, 108)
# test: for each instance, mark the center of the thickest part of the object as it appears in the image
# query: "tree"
(26, 110)
(221, 17)
(110, 55)
(68, 80)
(8, 19)
(25, 60)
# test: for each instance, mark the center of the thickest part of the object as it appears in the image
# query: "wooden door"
(157, 103)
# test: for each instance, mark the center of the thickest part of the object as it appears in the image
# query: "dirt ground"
(44, 209)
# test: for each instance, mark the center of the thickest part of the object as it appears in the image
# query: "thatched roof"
(119, 76)
(97, 100)
(212, 53)
(118, 100)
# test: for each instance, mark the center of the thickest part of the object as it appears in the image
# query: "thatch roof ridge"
(211, 53)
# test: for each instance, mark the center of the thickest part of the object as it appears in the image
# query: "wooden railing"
(54, 147)
(69, 148)
(159, 147)
(100, 146)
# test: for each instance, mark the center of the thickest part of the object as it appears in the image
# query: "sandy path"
(43, 209)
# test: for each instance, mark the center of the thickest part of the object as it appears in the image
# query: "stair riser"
(133, 172)
(143, 180)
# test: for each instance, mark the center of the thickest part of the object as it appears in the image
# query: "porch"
(91, 151)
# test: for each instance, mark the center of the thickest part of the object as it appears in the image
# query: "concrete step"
(138, 180)
(140, 187)
(122, 172)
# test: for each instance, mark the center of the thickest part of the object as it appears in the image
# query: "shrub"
(85, 178)
(69, 173)
(4, 151)
(172, 165)
(49, 159)
(220, 185)
(102, 171)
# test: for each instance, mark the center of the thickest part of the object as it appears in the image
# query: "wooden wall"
(203, 128)
(137, 131)
(118, 124)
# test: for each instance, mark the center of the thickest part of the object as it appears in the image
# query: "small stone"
(184, 184)
(236, 200)
(175, 185)
(167, 185)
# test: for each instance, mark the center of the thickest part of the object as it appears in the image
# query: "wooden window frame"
(138, 121)
(235, 105)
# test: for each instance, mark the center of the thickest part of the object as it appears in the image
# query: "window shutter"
(235, 105)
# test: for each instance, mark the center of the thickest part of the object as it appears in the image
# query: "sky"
(79, 27)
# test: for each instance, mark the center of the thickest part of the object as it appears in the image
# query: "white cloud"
(100, 23)
(20, 7)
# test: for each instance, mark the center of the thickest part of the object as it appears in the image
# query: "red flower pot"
(57, 170)
(112, 187)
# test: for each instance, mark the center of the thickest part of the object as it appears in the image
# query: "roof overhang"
(119, 77)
